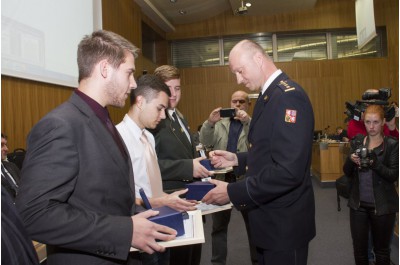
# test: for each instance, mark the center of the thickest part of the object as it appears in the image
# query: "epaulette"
(285, 86)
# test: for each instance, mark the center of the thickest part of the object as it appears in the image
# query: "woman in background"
(373, 167)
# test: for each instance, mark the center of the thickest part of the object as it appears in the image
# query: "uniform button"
(250, 145)
(247, 168)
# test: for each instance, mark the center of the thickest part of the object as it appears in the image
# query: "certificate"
(194, 232)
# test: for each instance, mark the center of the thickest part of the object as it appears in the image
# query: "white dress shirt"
(131, 133)
(270, 80)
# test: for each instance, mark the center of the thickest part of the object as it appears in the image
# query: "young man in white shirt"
(148, 103)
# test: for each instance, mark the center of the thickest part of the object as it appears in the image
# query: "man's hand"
(242, 116)
(221, 158)
(214, 116)
(145, 233)
(198, 170)
(218, 195)
(391, 124)
(174, 201)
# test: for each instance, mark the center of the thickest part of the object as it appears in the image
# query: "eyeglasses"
(241, 101)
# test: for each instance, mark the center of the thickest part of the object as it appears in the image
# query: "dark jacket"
(15, 173)
(77, 191)
(384, 175)
(277, 190)
(175, 153)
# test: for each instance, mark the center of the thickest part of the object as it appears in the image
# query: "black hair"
(149, 86)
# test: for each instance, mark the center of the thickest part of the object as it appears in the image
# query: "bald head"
(240, 100)
(251, 64)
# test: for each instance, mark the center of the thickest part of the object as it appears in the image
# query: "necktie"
(175, 117)
(235, 128)
(6, 175)
(152, 168)
(183, 129)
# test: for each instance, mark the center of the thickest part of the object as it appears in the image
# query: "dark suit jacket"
(77, 190)
(16, 246)
(175, 153)
(15, 173)
(277, 189)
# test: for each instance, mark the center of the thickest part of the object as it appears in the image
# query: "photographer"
(357, 127)
(373, 167)
(228, 133)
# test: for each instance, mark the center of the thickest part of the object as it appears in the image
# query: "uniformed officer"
(277, 190)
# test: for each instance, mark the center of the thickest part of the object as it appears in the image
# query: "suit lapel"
(178, 132)
(105, 139)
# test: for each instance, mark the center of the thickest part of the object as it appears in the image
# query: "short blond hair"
(167, 72)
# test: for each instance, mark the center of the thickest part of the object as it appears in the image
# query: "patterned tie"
(152, 168)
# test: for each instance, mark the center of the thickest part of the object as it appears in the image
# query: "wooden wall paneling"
(116, 16)
(24, 103)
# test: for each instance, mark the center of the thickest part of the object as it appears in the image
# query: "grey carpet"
(331, 246)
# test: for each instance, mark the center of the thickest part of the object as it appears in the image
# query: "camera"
(382, 94)
(355, 109)
(227, 113)
(365, 157)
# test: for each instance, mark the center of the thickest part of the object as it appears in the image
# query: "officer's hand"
(218, 195)
(221, 158)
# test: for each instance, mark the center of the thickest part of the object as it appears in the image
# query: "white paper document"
(212, 208)
(194, 232)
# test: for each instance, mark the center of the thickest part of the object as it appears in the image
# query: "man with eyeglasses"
(227, 134)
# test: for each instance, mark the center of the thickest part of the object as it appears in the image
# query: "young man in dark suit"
(176, 154)
(77, 193)
(277, 190)
(10, 173)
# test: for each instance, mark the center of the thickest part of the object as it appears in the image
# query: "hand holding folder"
(167, 216)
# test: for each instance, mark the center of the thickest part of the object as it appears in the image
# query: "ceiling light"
(182, 12)
(173, 1)
(242, 10)
(248, 4)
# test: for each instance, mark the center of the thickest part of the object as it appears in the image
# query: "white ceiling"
(166, 13)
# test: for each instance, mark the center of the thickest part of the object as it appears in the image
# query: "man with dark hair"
(148, 104)
(77, 193)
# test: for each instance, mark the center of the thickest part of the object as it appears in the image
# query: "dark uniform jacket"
(77, 192)
(384, 175)
(175, 153)
(277, 190)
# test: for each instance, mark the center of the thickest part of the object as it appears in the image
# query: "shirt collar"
(270, 80)
(100, 111)
(133, 127)
(170, 112)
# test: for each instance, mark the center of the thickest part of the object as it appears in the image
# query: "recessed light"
(248, 4)
(173, 1)
(182, 12)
